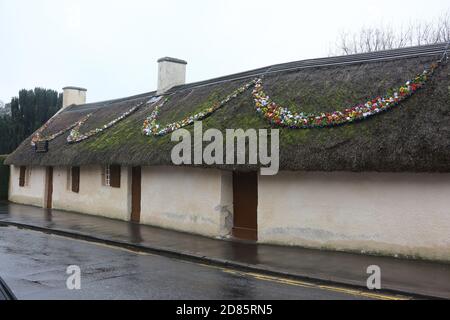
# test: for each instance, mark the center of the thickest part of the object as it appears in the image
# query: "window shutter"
(23, 171)
(76, 179)
(114, 176)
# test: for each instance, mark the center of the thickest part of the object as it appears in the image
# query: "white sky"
(110, 47)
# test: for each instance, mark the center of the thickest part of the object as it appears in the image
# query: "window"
(107, 176)
(111, 176)
(22, 176)
(75, 179)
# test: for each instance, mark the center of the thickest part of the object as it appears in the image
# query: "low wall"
(401, 214)
(4, 179)
(188, 199)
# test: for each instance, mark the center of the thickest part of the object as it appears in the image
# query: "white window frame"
(107, 175)
(27, 177)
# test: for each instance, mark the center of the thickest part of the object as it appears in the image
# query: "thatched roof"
(414, 136)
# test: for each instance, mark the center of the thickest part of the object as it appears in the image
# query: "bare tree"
(387, 37)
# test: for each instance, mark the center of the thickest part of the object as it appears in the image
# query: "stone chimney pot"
(73, 95)
(171, 73)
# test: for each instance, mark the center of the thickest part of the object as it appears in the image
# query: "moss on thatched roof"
(414, 136)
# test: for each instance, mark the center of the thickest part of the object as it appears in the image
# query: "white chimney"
(73, 95)
(171, 73)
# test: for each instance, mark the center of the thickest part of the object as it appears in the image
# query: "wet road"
(34, 266)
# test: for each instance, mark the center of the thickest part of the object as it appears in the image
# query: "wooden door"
(245, 203)
(136, 194)
(49, 187)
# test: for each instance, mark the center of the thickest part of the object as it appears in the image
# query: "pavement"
(411, 277)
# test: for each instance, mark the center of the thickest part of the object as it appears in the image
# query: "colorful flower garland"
(283, 117)
(151, 127)
(76, 136)
(37, 137)
(271, 111)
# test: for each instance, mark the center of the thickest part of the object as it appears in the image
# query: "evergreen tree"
(29, 111)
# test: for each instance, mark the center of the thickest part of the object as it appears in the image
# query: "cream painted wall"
(187, 199)
(94, 197)
(388, 213)
(34, 191)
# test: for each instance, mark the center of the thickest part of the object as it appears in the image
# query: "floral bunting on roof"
(283, 117)
(76, 136)
(151, 127)
(37, 137)
(276, 115)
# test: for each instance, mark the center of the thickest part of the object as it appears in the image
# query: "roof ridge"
(106, 102)
(390, 54)
(322, 62)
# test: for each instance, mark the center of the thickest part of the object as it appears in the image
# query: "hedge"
(4, 179)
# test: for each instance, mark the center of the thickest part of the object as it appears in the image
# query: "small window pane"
(107, 176)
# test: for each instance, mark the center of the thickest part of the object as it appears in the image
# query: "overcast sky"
(111, 47)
